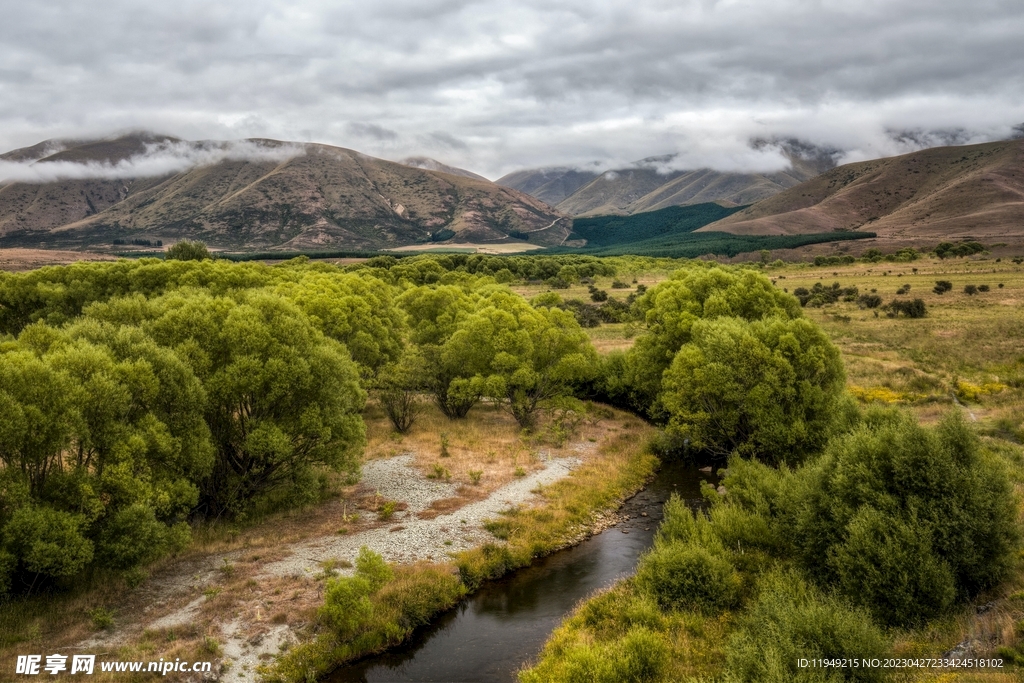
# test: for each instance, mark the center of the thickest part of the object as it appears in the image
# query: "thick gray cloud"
(492, 86)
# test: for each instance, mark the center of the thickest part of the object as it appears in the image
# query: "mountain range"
(652, 183)
(255, 194)
(264, 195)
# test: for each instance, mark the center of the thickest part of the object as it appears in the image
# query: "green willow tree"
(670, 310)
(770, 389)
(102, 446)
(282, 399)
(524, 356)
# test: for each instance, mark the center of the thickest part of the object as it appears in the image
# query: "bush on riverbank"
(729, 363)
(893, 525)
(359, 618)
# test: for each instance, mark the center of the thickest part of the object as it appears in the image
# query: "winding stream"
(502, 627)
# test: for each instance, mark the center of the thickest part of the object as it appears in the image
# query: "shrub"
(948, 249)
(187, 250)
(942, 286)
(586, 314)
(983, 288)
(683, 575)
(820, 295)
(598, 294)
(347, 605)
(970, 290)
(48, 542)
(372, 567)
(102, 618)
(386, 510)
(908, 519)
(889, 565)
(640, 656)
(792, 621)
(909, 309)
(869, 301)
(557, 283)
(672, 308)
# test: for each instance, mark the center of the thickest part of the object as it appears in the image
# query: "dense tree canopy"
(770, 389)
(671, 309)
(138, 395)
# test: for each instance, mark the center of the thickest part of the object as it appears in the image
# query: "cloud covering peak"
(157, 159)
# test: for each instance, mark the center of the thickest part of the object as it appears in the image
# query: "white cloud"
(158, 159)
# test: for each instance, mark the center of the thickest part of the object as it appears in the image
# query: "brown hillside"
(321, 197)
(945, 192)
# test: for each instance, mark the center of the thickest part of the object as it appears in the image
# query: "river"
(503, 626)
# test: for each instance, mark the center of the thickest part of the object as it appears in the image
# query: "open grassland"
(967, 346)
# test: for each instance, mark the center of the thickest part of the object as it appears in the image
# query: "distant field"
(16, 260)
(465, 248)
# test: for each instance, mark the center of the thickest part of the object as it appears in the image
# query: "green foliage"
(792, 621)
(942, 286)
(640, 656)
(909, 309)
(346, 605)
(101, 618)
(904, 519)
(948, 249)
(904, 255)
(533, 355)
(397, 387)
(834, 260)
(820, 295)
(281, 397)
(372, 567)
(187, 250)
(48, 542)
(361, 619)
(604, 231)
(680, 575)
(671, 309)
(770, 389)
(869, 301)
(359, 312)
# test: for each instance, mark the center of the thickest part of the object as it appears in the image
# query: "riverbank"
(246, 598)
(560, 514)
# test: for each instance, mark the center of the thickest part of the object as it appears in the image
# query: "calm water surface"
(503, 626)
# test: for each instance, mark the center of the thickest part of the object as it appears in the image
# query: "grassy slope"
(973, 190)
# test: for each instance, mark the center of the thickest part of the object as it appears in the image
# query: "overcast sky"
(495, 86)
